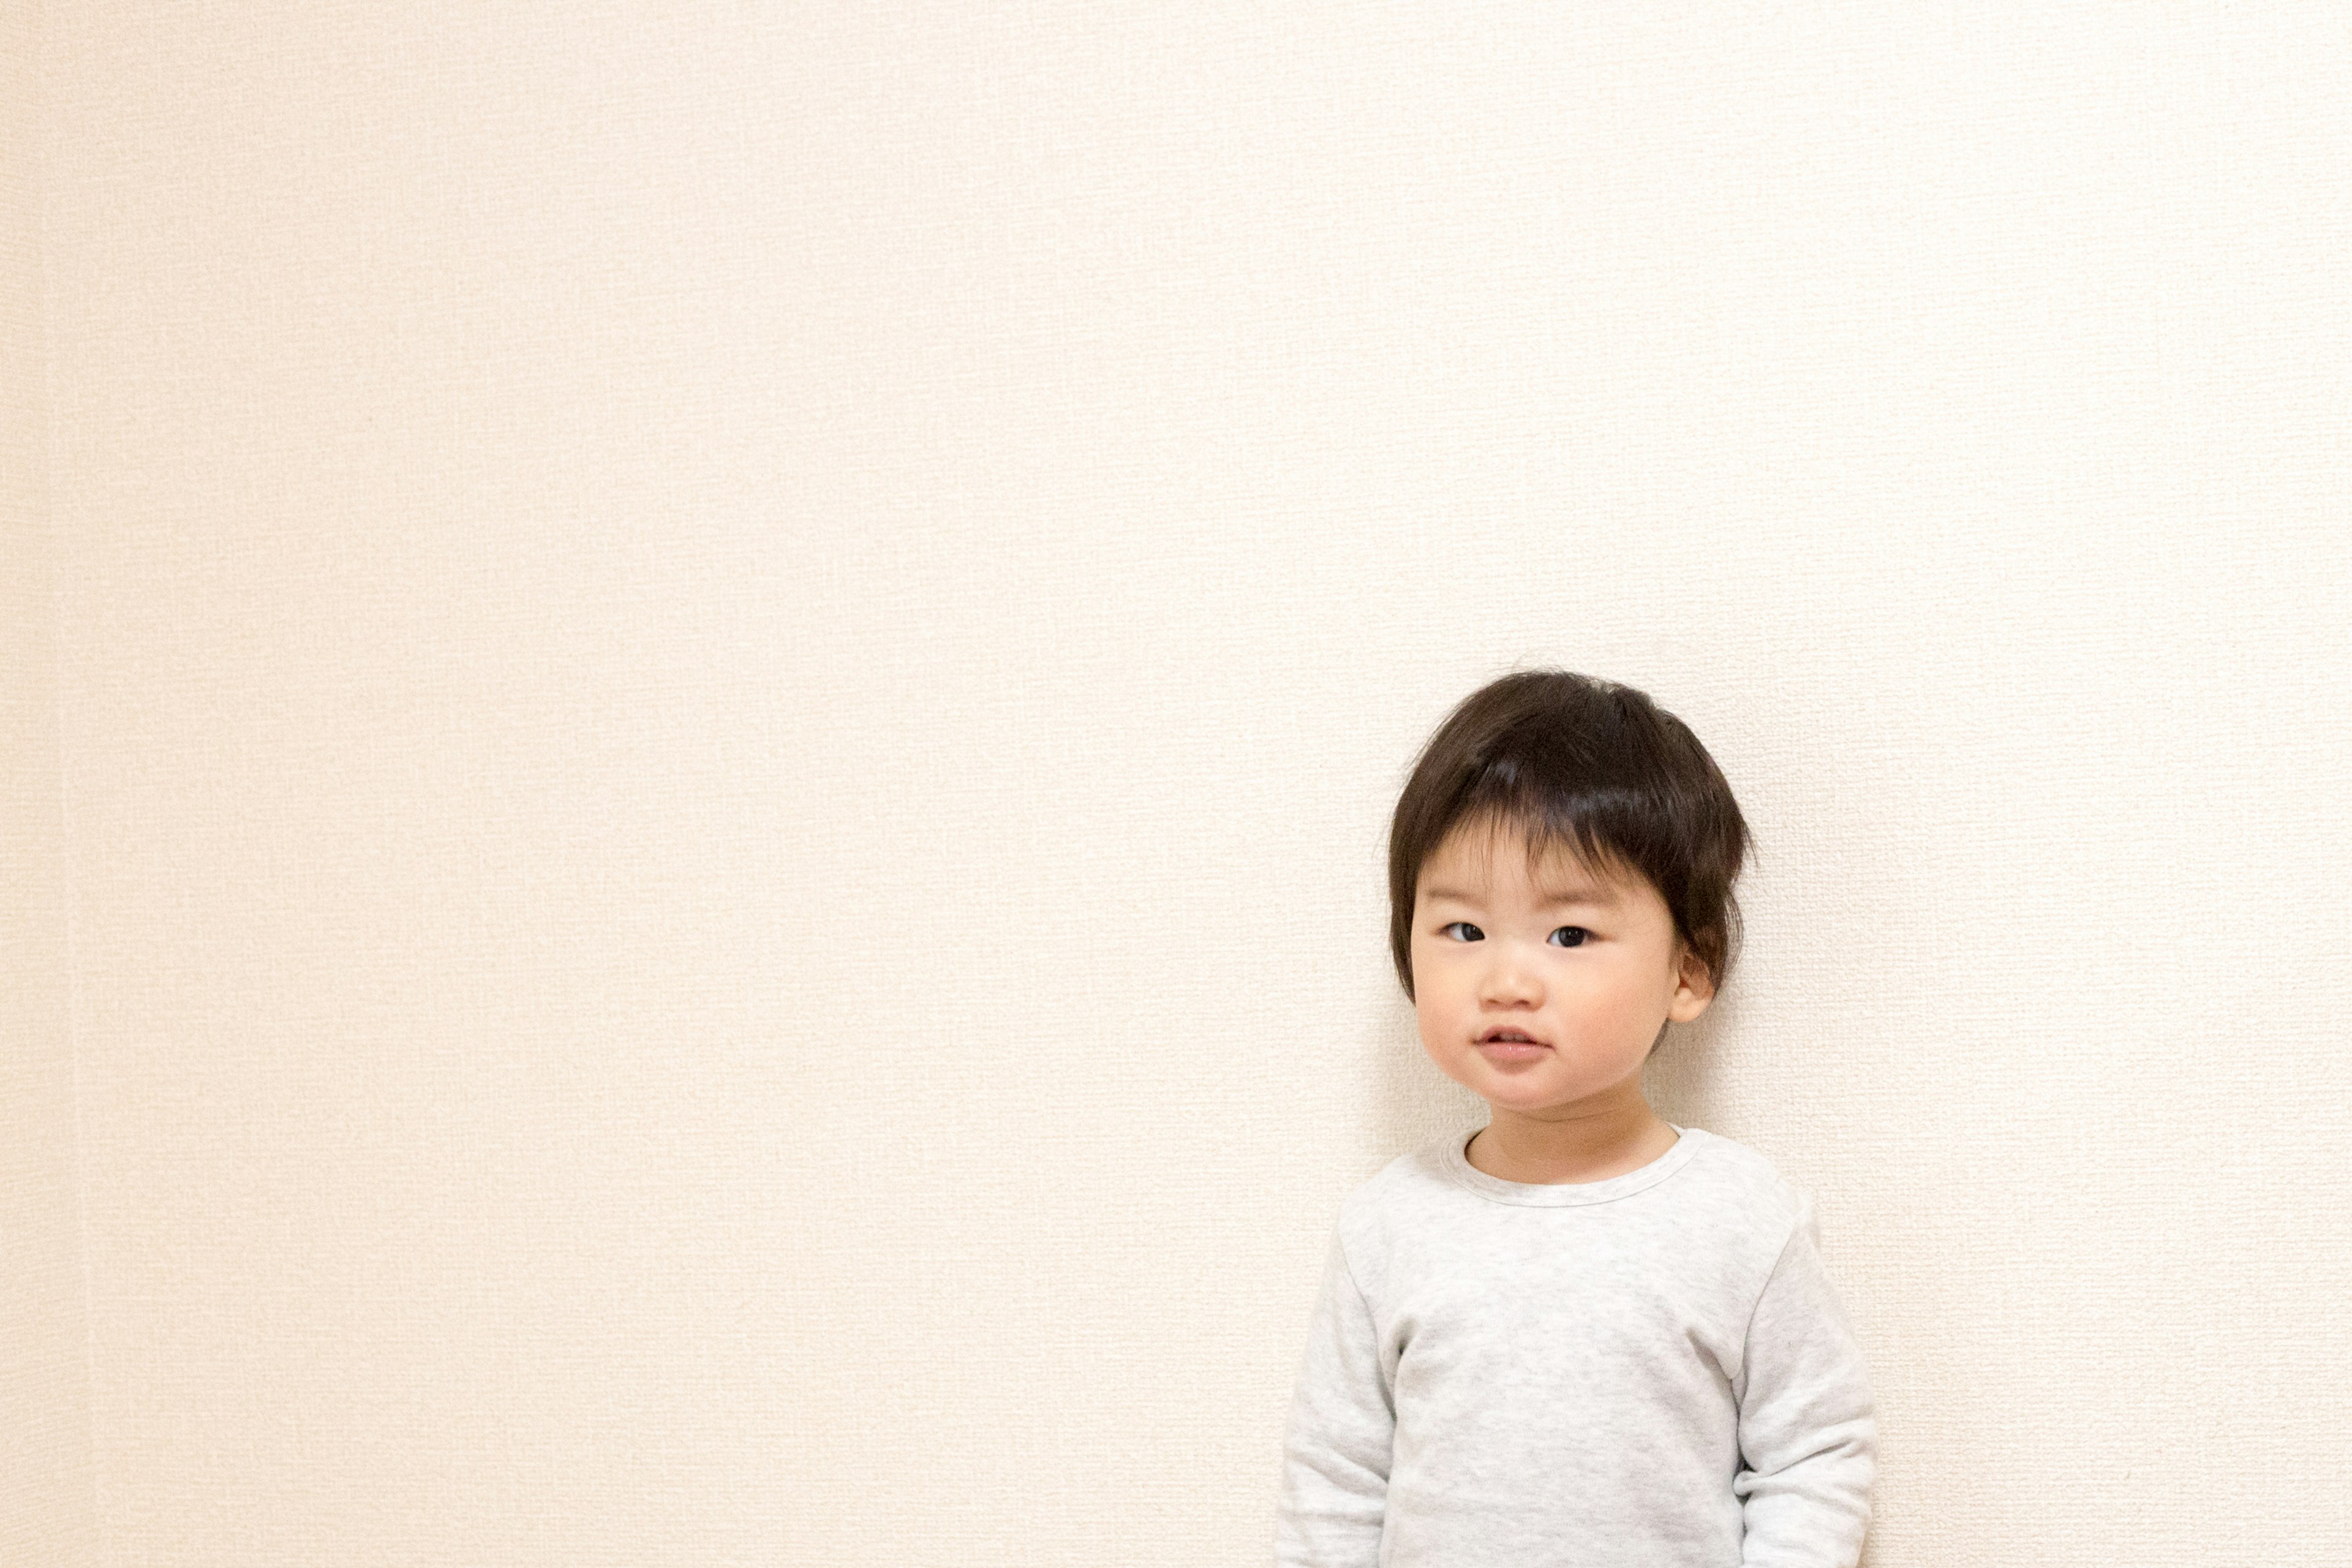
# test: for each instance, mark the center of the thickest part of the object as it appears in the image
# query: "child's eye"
(1475, 933)
(1571, 936)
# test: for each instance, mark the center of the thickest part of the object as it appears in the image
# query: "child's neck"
(1583, 1144)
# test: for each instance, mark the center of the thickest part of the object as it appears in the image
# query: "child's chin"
(1523, 1090)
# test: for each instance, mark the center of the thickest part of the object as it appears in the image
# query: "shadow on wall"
(1686, 1072)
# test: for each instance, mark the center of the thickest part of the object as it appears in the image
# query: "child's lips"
(1513, 1050)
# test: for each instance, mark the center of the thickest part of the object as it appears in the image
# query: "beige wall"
(48, 1504)
(730, 676)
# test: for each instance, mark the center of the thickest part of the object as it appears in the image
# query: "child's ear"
(1693, 985)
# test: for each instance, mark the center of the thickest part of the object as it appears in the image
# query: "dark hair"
(1586, 764)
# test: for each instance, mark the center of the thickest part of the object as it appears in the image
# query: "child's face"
(1583, 961)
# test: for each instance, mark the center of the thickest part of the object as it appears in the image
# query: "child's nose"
(1509, 978)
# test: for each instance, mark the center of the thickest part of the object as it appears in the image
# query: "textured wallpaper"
(729, 678)
(47, 1483)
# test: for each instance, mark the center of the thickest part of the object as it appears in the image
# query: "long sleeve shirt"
(1653, 1369)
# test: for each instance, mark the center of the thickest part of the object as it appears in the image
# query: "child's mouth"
(1510, 1050)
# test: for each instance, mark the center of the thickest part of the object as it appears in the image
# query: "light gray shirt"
(1650, 1370)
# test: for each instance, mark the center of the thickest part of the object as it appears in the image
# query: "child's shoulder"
(1729, 1159)
(1413, 1179)
(1731, 1172)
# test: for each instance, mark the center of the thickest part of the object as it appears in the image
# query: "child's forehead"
(1482, 847)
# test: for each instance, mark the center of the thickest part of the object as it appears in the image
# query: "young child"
(1586, 1336)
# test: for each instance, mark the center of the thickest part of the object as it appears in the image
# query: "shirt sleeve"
(1808, 1426)
(1335, 1476)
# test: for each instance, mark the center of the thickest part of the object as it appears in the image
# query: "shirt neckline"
(1561, 1194)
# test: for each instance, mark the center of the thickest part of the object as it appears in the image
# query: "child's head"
(1607, 793)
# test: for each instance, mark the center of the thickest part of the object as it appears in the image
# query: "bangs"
(1554, 834)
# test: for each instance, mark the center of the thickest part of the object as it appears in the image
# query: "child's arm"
(1335, 1476)
(1808, 1432)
